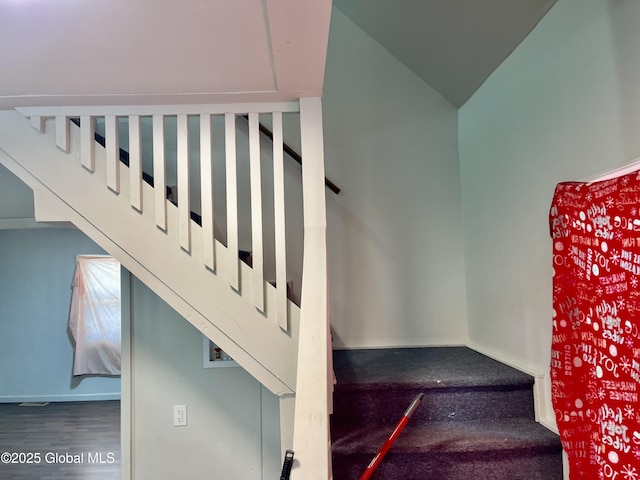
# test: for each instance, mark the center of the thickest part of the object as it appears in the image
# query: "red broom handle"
(392, 438)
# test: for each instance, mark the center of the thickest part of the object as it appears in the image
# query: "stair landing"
(476, 419)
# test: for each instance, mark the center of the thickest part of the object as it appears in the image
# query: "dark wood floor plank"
(89, 432)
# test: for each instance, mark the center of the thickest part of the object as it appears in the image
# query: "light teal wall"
(395, 251)
(232, 421)
(36, 270)
(564, 106)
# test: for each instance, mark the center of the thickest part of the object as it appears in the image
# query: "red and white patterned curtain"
(595, 369)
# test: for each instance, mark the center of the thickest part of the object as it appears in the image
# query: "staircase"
(477, 416)
(476, 419)
(243, 309)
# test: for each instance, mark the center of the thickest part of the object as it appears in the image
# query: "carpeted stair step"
(458, 383)
(506, 449)
(476, 420)
(424, 367)
(380, 405)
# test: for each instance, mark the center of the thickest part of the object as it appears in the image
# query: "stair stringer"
(202, 297)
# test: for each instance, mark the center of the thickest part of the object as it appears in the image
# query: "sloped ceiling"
(453, 45)
(74, 52)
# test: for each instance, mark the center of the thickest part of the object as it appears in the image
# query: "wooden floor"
(72, 441)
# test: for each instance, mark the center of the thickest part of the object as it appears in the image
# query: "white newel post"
(311, 438)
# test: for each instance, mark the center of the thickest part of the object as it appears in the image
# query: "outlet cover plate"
(179, 415)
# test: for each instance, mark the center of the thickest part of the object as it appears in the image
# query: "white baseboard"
(337, 346)
(83, 397)
(541, 389)
(542, 401)
(541, 395)
(503, 358)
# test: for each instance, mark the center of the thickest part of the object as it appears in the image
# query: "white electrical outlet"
(179, 415)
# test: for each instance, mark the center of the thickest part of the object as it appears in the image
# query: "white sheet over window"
(94, 317)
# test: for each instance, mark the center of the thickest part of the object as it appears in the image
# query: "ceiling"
(77, 52)
(453, 45)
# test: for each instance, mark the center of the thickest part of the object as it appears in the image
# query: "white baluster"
(112, 152)
(257, 254)
(279, 220)
(184, 203)
(206, 192)
(62, 133)
(37, 122)
(232, 199)
(159, 177)
(135, 163)
(88, 143)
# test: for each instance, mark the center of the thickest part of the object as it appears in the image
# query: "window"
(94, 316)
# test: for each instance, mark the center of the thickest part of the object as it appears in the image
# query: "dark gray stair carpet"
(476, 419)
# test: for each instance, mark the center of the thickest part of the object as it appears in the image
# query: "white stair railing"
(66, 192)
(311, 440)
(112, 117)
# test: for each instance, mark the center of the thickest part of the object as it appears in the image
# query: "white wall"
(396, 271)
(565, 105)
(233, 426)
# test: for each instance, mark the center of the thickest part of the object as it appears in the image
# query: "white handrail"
(148, 110)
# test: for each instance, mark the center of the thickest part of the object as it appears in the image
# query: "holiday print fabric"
(595, 357)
